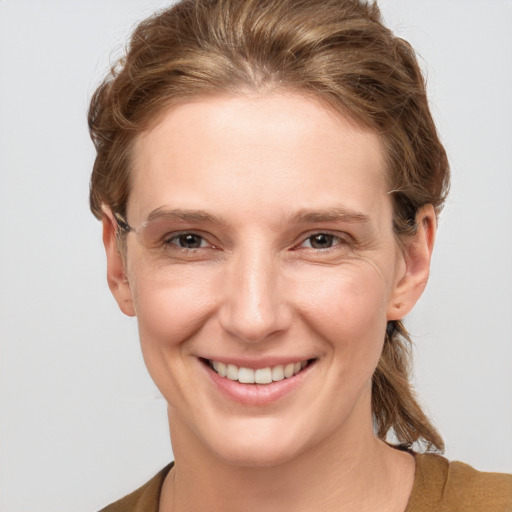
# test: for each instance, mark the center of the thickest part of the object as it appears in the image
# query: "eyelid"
(343, 237)
(174, 240)
(173, 236)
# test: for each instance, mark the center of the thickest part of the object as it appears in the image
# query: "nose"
(254, 306)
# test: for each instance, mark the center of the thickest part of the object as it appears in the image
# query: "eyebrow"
(304, 216)
(335, 214)
(191, 216)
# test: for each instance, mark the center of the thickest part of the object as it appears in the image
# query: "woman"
(269, 178)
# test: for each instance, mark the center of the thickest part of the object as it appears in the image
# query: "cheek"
(170, 310)
(347, 306)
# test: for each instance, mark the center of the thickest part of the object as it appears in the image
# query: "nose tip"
(254, 307)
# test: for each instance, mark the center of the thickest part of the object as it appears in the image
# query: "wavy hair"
(336, 51)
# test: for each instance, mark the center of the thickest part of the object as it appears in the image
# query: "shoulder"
(456, 487)
(145, 498)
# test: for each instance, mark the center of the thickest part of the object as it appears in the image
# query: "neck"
(345, 473)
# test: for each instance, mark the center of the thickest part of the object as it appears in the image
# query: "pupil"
(190, 241)
(321, 241)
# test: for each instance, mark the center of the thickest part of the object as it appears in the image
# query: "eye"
(188, 241)
(321, 241)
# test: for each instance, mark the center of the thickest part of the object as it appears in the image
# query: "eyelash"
(333, 239)
(170, 241)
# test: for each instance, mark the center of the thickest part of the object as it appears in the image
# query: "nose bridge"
(254, 306)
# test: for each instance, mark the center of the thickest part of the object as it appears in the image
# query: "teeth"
(259, 376)
(221, 369)
(245, 375)
(232, 372)
(278, 372)
(262, 375)
(288, 370)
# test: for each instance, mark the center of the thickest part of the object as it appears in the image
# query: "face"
(263, 270)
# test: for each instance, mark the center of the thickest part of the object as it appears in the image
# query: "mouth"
(265, 375)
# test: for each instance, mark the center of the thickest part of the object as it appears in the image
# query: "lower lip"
(257, 394)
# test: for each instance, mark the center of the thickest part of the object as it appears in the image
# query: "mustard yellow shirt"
(439, 486)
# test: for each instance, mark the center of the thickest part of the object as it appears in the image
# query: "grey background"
(80, 421)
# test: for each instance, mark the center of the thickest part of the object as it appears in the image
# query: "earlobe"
(116, 275)
(417, 253)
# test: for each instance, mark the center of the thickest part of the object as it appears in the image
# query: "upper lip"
(263, 362)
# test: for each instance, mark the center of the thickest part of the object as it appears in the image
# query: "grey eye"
(188, 241)
(321, 241)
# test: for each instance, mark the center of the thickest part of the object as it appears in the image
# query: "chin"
(259, 444)
(257, 455)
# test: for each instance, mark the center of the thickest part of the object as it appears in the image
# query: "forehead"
(283, 150)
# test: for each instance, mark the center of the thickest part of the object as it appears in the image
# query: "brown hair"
(337, 51)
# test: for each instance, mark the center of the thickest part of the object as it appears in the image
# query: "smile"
(265, 375)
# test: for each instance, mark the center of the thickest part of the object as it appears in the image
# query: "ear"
(416, 254)
(116, 275)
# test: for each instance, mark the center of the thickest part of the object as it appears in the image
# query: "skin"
(270, 171)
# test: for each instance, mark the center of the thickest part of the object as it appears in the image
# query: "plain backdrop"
(80, 421)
